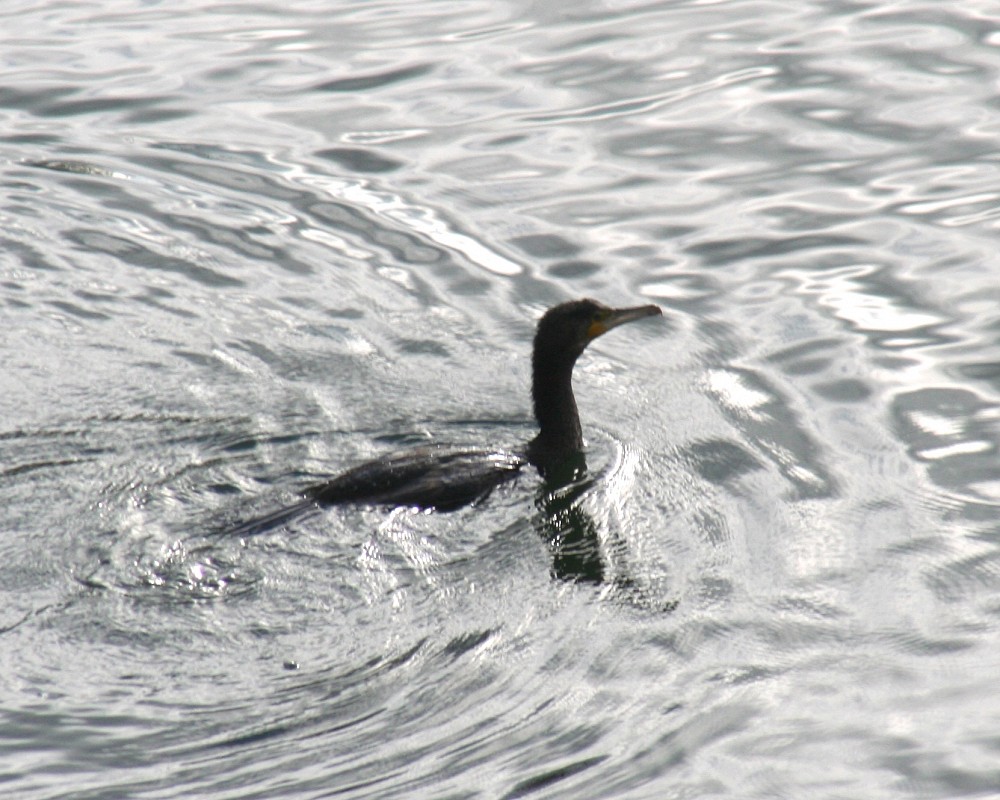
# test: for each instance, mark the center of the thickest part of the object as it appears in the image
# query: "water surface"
(246, 246)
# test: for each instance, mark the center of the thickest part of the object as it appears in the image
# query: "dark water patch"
(466, 643)
(808, 366)
(35, 99)
(720, 461)
(31, 138)
(155, 116)
(29, 256)
(138, 255)
(931, 774)
(72, 167)
(99, 105)
(21, 469)
(550, 777)
(423, 347)
(206, 361)
(77, 311)
(375, 80)
(545, 245)
(805, 351)
(721, 253)
(847, 390)
(915, 643)
(988, 371)
(154, 299)
(573, 269)
(358, 159)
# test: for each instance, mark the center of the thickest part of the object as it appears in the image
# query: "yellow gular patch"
(596, 329)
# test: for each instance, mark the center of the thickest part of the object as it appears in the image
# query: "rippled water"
(247, 245)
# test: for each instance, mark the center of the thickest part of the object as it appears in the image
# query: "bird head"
(566, 330)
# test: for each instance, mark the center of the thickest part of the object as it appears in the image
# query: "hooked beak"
(619, 316)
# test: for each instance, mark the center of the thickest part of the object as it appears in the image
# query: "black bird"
(563, 334)
(446, 478)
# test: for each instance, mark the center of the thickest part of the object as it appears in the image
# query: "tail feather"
(269, 522)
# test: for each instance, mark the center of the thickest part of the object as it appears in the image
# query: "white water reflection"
(424, 222)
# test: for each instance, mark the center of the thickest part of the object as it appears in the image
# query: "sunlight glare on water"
(245, 247)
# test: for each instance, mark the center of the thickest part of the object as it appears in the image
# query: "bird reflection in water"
(571, 533)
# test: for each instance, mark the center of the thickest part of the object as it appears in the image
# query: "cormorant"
(444, 478)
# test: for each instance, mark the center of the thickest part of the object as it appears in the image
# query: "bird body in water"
(441, 478)
(444, 478)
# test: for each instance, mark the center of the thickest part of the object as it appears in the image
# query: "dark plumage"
(563, 334)
(427, 477)
(446, 478)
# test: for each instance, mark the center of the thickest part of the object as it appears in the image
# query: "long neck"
(555, 407)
